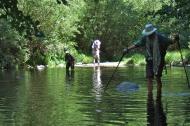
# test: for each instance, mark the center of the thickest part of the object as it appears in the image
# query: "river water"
(52, 97)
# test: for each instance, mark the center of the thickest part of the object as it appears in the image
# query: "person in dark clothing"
(156, 45)
(69, 59)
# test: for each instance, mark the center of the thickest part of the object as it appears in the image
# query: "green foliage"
(17, 19)
(135, 59)
(63, 1)
(13, 49)
(74, 24)
(116, 58)
(139, 59)
(47, 60)
(175, 16)
(172, 57)
(58, 23)
(81, 56)
(113, 25)
(132, 58)
(175, 9)
(129, 60)
(175, 57)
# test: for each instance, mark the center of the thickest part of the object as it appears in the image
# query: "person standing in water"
(69, 59)
(156, 45)
(96, 51)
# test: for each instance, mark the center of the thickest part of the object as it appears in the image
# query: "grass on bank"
(173, 57)
(176, 57)
(136, 58)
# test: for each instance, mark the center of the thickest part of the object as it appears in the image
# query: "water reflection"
(69, 81)
(51, 97)
(70, 73)
(155, 113)
(69, 76)
(97, 84)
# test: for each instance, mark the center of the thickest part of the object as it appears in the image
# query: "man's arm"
(131, 47)
(128, 49)
(93, 46)
(73, 58)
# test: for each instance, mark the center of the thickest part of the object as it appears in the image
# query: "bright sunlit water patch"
(50, 96)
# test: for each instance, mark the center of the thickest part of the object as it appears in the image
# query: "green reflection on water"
(52, 97)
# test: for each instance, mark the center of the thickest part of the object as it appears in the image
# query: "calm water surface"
(50, 97)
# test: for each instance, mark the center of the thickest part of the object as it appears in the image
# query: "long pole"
(114, 72)
(183, 63)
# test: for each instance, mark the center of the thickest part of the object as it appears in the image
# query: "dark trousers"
(149, 68)
(68, 65)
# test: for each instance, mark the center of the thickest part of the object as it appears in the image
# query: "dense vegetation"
(37, 32)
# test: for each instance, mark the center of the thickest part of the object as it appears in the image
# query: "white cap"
(97, 41)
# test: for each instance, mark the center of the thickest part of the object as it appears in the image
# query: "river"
(51, 97)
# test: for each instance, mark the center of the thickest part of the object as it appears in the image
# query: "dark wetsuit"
(69, 59)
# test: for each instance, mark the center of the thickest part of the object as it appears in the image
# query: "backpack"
(162, 46)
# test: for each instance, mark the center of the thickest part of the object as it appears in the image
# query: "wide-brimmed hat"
(149, 29)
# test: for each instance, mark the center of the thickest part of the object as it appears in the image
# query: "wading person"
(69, 59)
(156, 45)
(96, 51)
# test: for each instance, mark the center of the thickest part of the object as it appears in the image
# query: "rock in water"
(127, 86)
(20, 76)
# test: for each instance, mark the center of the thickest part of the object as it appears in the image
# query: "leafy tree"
(176, 12)
(13, 49)
(58, 22)
(175, 9)
(114, 25)
(17, 18)
(53, 26)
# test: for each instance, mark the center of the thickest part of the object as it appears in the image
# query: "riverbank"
(114, 64)
(103, 64)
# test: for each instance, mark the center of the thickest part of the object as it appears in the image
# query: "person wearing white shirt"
(96, 51)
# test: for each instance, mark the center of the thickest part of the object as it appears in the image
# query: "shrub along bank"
(173, 57)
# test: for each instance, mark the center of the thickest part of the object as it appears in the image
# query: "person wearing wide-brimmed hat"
(156, 45)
